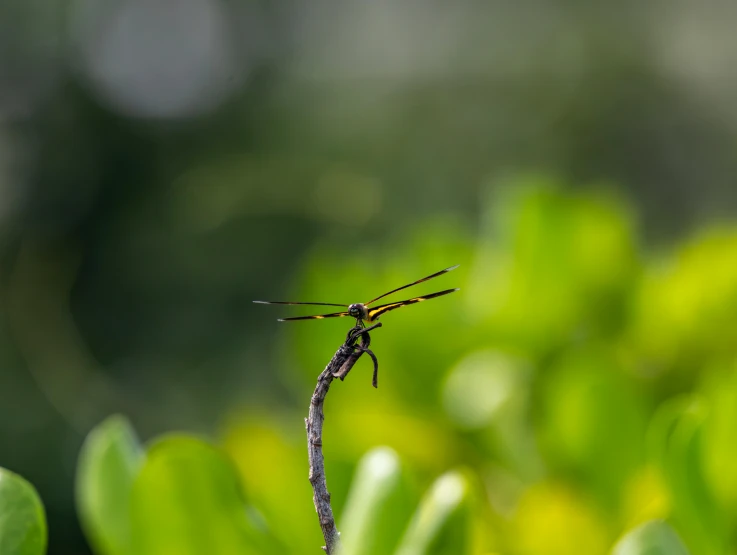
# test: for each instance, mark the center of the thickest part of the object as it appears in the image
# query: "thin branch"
(342, 362)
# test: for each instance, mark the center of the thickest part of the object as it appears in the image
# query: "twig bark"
(338, 367)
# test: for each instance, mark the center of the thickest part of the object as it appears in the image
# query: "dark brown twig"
(339, 366)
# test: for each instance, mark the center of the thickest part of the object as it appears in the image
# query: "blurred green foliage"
(108, 464)
(576, 390)
(564, 373)
(182, 495)
(22, 518)
(652, 538)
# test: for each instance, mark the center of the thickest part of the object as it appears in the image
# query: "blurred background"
(163, 164)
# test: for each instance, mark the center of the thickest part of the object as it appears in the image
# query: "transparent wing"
(291, 302)
(379, 310)
(317, 317)
(436, 274)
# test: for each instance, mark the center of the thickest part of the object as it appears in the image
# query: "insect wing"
(316, 317)
(436, 274)
(379, 310)
(292, 302)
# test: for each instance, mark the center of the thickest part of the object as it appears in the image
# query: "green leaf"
(187, 499)
(377, 506)
(720, 439)
(441, 525)
(676, 438)
(652, 538)
(281, 491)
(22, 518)
(108, 463)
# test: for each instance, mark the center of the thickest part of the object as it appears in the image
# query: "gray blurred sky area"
(405, 95)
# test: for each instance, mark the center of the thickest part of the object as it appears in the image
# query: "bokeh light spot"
(478, 386)
(147, 59)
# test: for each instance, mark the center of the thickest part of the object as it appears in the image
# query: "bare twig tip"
(343, 360)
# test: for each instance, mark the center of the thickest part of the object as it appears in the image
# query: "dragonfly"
(363, 312)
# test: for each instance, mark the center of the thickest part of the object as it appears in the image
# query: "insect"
(361, 311)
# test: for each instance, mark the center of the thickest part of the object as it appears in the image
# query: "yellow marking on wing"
(379, 310)
(436, 274)
(315, 317)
